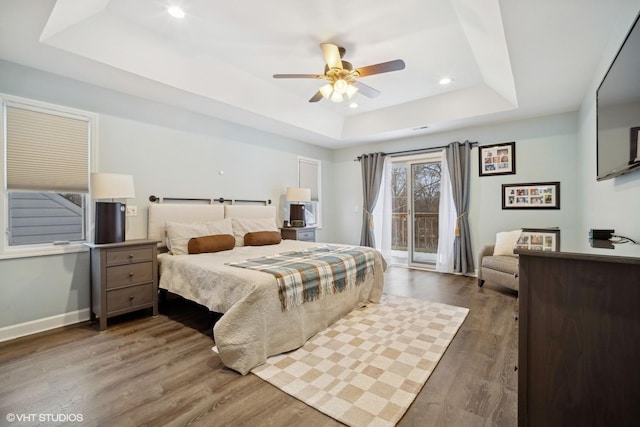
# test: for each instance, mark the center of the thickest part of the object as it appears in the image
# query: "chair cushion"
(506, 264)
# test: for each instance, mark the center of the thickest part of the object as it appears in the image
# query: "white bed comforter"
(254, 326)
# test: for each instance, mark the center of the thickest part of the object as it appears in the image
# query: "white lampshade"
(351, 91)
(340, 86)
(295, 194)
(336, 97)
(112, 186)
(326, 90)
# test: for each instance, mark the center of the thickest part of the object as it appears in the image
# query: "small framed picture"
(497, 159)
(535, 195)
(539, 239)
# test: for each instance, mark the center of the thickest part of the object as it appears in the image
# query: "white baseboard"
(45, 324)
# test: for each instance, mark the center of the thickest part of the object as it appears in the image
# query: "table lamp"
(110, 216)
(296, 210)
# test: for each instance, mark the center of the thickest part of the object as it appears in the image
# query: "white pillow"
(178, 234)
(505, 242)
(242, 226)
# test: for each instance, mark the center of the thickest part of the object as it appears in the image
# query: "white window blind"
(46, 151)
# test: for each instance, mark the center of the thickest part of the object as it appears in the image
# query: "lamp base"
(110, 222)
(297, 216)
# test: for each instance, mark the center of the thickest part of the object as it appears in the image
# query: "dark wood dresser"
(579, 335)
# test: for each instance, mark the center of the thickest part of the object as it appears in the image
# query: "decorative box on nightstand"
(307, 234)
(124, 278)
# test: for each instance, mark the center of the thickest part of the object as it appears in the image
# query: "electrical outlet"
(132, 210)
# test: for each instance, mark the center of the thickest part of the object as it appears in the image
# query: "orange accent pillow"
(213, 243)
(261, 238)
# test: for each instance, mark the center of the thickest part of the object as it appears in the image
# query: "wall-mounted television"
(618, 110)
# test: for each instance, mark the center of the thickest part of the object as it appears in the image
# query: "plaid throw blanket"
(310, 274)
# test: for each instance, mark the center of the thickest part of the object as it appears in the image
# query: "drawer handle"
(130, 274)
(130, 255)
(130, 297)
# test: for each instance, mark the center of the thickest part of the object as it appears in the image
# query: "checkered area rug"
(367, 368)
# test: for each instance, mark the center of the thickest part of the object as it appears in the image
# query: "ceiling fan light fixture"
(336, 97)
(341, 79)
(326, 90)
(351, 91)
(340, 86)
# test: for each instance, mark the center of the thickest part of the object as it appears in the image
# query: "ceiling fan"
(343, 79)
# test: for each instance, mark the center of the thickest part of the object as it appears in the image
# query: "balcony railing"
(425, 231)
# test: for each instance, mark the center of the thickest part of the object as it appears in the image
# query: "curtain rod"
(159, 199)
(415, 151)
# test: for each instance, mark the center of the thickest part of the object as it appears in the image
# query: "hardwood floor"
(161, 371)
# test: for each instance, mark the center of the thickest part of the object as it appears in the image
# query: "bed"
(254, 323)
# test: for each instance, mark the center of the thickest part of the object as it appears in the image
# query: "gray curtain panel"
(371, 165)
(458, 160)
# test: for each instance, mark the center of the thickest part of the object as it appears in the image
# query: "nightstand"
(307, 234)
(124, 278)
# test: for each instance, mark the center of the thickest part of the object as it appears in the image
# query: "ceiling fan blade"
(317, 97)
(383, 67)
(331, 55)
(298, 76)
(367, 91)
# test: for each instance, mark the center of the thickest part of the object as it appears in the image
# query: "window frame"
(8, 251)
(315, 205)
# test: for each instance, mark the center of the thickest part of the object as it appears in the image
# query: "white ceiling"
(508, 58)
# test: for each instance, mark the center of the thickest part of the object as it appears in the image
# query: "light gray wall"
(611, 204)
(545, 151)
(171, 162)
(40, 287)
(614, 203)
(170, 153)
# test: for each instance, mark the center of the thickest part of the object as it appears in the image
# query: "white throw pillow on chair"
(505, 242)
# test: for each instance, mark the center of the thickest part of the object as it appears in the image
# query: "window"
(309, 176)
(46, 162)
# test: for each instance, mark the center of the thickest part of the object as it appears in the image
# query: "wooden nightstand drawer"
(129, 274)
(129, 298)
(308, 236)
(305, 234)
(129, 256)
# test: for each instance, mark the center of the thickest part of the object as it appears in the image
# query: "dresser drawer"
(116, 257)
(129, 274)
(309, 236)
(127, 298)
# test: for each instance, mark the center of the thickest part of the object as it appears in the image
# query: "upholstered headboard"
(159, 214)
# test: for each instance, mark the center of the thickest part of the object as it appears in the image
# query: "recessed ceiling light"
(445, 81)
(353, 105)
(176, 12)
